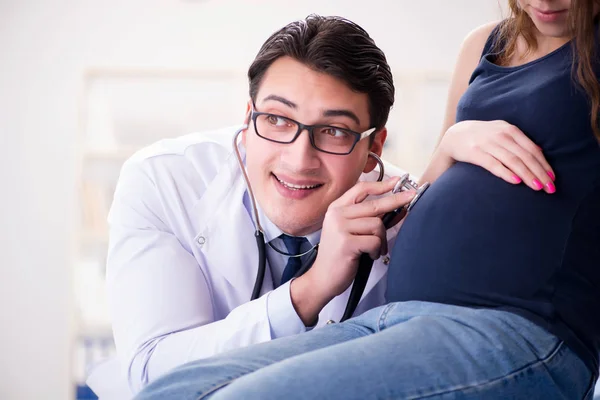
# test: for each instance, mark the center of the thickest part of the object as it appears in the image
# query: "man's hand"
(352, 226)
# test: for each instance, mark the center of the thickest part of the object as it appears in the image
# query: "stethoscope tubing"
(262, 264)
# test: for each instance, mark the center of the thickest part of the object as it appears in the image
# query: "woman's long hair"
(581, 23)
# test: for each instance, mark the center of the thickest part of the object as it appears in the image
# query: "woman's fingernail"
(551, 175)
(516, 179)
(538, 185)
(551, 188)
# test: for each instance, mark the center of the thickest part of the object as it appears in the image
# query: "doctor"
(182, 259)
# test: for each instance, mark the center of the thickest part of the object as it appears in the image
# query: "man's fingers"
(372, 226)
(368, 244)
(379, 206)
(359, 192)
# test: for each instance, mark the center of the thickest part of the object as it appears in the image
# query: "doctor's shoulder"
(165, 180)
(188, 158)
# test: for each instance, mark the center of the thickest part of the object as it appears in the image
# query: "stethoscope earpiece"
(381, 166)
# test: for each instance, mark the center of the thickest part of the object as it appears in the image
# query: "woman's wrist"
(440, 162)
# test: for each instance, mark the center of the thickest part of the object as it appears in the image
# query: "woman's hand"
(501, 148)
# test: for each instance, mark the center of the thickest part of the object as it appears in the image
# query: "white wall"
(45, 46)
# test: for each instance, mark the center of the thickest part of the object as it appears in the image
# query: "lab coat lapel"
(228, 233)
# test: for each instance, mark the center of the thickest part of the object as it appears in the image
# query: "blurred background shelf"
(121, 111)
(116, 154)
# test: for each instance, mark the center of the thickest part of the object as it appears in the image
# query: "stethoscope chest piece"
(420, 192)
(405, 183)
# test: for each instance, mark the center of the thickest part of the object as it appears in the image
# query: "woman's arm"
(497, 146)
(468, 59)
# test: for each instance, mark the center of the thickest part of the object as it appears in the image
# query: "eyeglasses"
(325, 138)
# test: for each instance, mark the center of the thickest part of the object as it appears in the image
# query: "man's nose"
(300, 154)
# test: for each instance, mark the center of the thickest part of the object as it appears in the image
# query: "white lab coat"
(182, 263)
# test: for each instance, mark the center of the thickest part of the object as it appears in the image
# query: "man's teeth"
(296, 187)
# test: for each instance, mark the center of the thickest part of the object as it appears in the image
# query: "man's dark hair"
(337, 47)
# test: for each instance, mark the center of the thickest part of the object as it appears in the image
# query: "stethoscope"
(365, 262)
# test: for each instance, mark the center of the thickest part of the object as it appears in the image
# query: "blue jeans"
(412, 350)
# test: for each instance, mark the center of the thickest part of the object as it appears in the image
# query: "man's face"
(295, 183)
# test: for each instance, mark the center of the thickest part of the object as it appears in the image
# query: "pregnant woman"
(494, 288)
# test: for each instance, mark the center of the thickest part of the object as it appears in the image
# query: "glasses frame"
(309, 128)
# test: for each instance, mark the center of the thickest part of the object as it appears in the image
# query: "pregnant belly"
(474, 239)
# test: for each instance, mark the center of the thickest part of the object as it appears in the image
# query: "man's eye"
(330, 131)
(276, 121)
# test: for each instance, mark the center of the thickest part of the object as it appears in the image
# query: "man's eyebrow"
(283, 100)
(326, 113)
(342, 113)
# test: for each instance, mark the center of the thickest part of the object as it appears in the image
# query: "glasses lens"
(276, 128)
(334, 140)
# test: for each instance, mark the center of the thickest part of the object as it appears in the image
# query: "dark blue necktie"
(293, 245)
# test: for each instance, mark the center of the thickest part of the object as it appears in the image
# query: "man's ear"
(247, 121)
(376, 147)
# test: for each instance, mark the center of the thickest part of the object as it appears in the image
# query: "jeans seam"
(215, 388)
(534, 364)
(384, 314)
(355, 327)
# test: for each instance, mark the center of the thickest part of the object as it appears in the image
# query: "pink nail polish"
(551, 175)
(538, 185)
(516, 179)
(551, 187)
